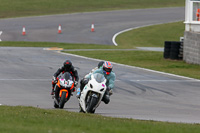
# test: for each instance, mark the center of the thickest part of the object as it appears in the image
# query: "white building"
(191, 52)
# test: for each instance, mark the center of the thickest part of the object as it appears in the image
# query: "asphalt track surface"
(76, 27)
(25, 73)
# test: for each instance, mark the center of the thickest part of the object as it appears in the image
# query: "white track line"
(0, 35)
(175, 81)
(163, 73)
(26, 79)
(165, 80)
(114, 37)
(144, 69)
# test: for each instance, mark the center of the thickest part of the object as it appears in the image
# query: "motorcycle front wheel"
(55, 104)
(91, 104)
(62, 100)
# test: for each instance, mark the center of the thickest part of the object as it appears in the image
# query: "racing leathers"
(65, 68)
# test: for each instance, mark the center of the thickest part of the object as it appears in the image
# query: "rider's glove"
(54, 79)
(52, 92)
(110, 92)
(75, 83)
(73, 90)
(84, 81)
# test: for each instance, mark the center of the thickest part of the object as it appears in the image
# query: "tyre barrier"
(167, 49)
(173, 50)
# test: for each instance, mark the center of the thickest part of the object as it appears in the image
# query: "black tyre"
(62, 100)
(166, 54)
(174, 56)
(56, 105)
(175, 45)
(168, 44)
(174, 52)
(93, 111)
(92, 103)
(167, 49)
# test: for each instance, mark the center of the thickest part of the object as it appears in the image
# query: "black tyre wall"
(167, 49)
(173, 50)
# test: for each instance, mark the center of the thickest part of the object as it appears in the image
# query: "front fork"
(90, 95)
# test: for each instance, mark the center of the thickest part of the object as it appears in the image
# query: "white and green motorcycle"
(92, 93)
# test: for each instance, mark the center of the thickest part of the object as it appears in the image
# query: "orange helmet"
(107, 67)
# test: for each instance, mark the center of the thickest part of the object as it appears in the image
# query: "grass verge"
(60, 45)
(151, 36)
(17, 8)
(29, 119)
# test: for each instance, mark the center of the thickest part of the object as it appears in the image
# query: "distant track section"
(76, 28)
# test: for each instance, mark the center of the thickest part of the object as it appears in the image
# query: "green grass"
(30, 120)
(16, 8)
(60, 45)
(34, 120)
(151, 36)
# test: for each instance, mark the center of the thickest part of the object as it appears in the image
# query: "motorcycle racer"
(106, 70)
(67, 67)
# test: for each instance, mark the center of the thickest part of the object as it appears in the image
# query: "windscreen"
(67, 76)
(99, 77)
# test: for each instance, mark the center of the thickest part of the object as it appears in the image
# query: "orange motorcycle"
(66, 87)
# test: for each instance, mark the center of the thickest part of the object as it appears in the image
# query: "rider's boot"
(83, 82)
(78, 94)
(106, 97)
(57, 90)
(53, 91)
